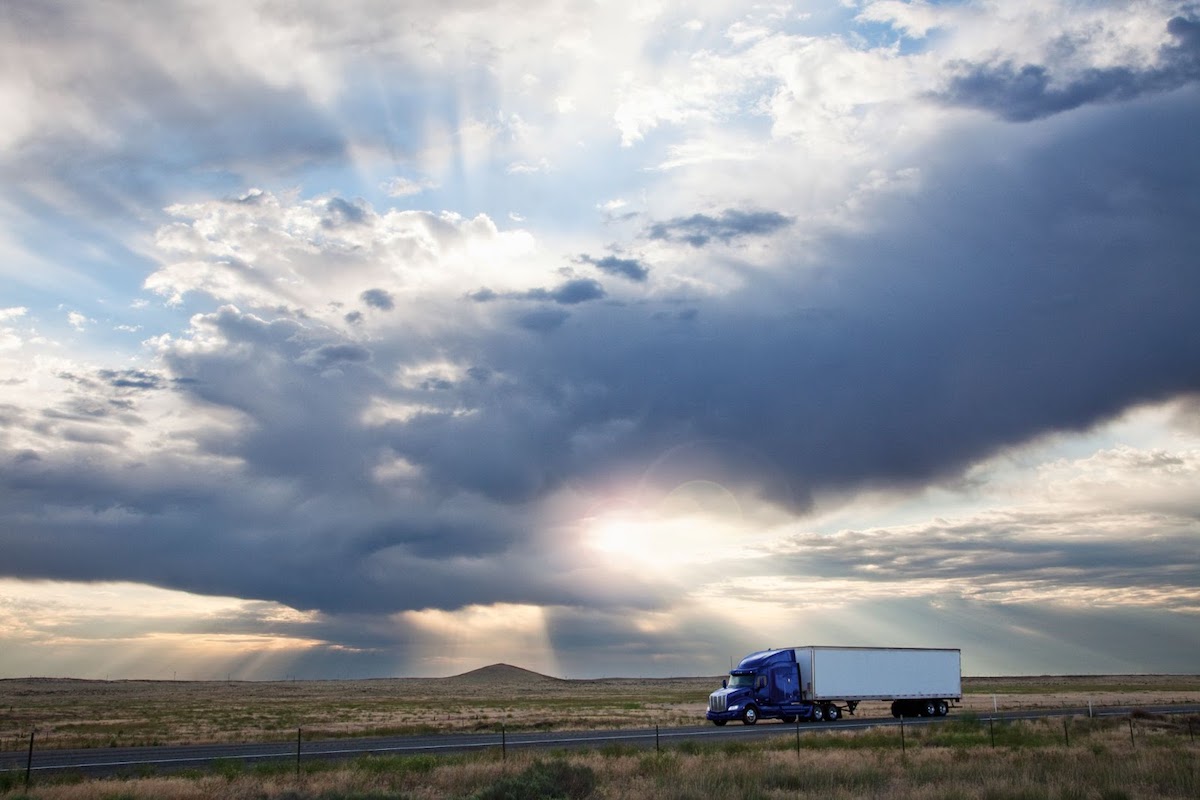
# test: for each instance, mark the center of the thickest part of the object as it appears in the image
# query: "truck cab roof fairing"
(766, 657)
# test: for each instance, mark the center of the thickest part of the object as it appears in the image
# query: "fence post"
(657, 749)
(29, 761)
(298, 731)
(798, 735)
(992, 731)
(503, 744)
(1066, 733)
(903, 746)
(1132, 743)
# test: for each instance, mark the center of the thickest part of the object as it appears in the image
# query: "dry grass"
(72, 713)
(1100, 764)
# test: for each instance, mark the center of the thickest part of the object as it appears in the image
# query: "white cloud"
(404, 187)
(914, 19)
(266, 251)
(525, 168)
(10, 338)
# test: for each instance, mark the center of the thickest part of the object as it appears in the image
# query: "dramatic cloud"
(862, 363)
(379, 298)
(629, 268)
(568, 293)
(1031, 91)
(698, 229)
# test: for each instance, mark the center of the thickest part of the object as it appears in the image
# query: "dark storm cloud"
(568, 293)
(378, 298)
(543, 320)
(346, 352)
(1153, 550)
(1032, 91)
(579, 290)
(699, 229)
(170, 111)
(629, 268)
(1008, 299)
(131, 379)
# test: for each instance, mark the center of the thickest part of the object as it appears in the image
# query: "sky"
(601, 338)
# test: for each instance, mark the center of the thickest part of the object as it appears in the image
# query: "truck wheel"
(818, 714)
(832, 713)
(896, 709)
(750, 715)
(719, 722)
(942, 708)
(929, 710)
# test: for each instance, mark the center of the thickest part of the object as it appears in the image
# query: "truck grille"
(717, 702)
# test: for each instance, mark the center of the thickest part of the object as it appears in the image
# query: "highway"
(139, 760)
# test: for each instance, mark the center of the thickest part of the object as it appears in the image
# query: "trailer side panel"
(852, 673)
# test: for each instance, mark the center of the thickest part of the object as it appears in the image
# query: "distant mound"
(503, 674)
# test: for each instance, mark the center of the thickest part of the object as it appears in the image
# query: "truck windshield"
(741, 681)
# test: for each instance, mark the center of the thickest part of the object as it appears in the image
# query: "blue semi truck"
(821, 683)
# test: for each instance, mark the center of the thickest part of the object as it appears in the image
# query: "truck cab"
(765, 685)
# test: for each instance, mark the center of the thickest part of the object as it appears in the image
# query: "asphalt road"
(137, 760)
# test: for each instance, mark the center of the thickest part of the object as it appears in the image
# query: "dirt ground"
(76, 713)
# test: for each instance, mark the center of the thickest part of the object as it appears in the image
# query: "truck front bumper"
(735, 712)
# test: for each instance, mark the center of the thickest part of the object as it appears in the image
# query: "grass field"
(71, 713)
(953, 761)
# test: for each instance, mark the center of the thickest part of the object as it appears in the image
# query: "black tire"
(943, 708)
(896, 709)
(750, 715)
(833, 713)
(929, 709)
(818, 714)
(788, 719)
(719, 722)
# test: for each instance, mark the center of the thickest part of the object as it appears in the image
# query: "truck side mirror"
(724, 683)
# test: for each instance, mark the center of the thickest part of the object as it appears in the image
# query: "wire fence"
(1029, 730)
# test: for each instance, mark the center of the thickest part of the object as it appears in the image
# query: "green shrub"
(397, 765)
(618, 749)
(554, 780)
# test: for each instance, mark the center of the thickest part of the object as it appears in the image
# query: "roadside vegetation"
(1106, 759)
(76, 713)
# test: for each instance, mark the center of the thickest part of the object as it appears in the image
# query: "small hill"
(503, 675)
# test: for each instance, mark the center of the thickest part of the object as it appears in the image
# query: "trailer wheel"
(929, 710)
(818, 714)
(750, 715)
(832, 713)
(719, 722)
(942, 708)
(896, 709)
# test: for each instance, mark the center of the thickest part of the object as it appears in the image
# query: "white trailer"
(918, 681)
